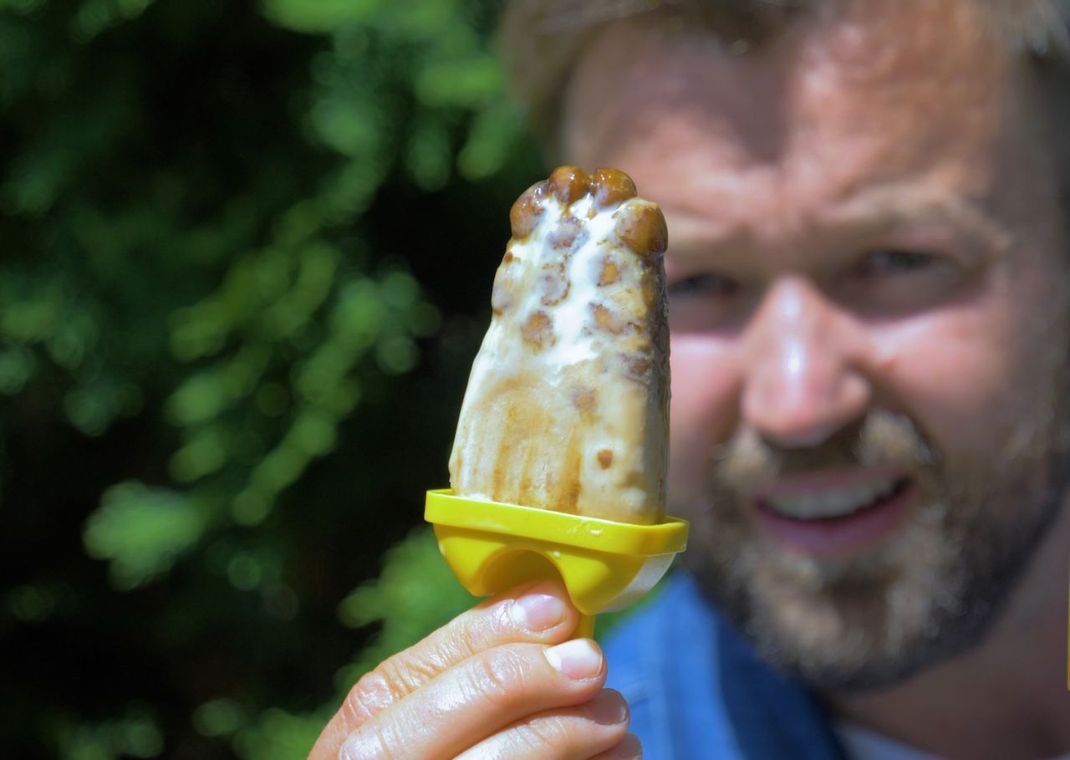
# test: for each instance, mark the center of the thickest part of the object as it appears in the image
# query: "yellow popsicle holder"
(605, 565)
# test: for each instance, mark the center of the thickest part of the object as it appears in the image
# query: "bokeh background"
(245, 259)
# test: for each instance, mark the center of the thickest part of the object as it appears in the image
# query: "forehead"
(857, 93)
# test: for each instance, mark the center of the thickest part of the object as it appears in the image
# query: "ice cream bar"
(567, 403)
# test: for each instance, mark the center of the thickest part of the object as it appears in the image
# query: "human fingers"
(479, 697)
(540, 612)
(575, 733)
(629, 748)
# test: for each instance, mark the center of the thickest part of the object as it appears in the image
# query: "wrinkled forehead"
(894, 81)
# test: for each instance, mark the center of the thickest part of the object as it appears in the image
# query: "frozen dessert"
(567, 403)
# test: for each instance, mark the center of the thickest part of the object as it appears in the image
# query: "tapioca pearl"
(568, 232)
(585, 400)
(553, 284)
(606, 321)
(609, 272)
(526, 211)
(611, 186)
(637, 367)
(506, 281)
(642, 228)
(569, 183)
(538, 330)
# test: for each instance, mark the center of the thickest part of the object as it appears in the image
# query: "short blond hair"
(541, 40)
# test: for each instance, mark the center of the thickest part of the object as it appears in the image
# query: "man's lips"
(834, 512)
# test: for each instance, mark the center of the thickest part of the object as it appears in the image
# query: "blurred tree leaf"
(246, 254)
(136, 735)
(319, 15)
(414, 594)
(141, 531)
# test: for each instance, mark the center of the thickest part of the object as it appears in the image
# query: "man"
(870, 333)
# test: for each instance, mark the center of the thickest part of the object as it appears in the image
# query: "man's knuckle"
(371, 743)
(385, 746)
(377, 689)
(498, 675)
(367, 696)
(470, 639)
(398, 677)
(541, 737)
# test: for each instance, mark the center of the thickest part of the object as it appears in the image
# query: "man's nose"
(805, 365)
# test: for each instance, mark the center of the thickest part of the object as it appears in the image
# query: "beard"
(929, 592)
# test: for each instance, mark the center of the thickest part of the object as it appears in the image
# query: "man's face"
(867, 307)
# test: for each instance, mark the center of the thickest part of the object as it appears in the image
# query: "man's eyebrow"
(690, 237)
(883, 208)
(889, 207)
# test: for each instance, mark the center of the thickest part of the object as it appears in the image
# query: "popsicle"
(559, 462)
(568, 399)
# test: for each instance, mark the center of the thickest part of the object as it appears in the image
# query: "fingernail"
(537, 611)
(578, 658)
(628, 749)
(607, 709)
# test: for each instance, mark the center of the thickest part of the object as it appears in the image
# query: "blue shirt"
(697, 689)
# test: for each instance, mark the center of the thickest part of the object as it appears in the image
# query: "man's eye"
(703, 285)
(704, 302)
(895, 280)
(892, 261)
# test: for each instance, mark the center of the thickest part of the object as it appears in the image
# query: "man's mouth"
(834, 512)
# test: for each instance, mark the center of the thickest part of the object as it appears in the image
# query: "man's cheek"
(967, 392)
(704, 410)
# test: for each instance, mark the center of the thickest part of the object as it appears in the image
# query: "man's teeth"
(832, 502)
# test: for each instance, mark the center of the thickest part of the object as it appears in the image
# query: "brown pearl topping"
(636, 368)
(584, 400)
(610, 273)
(568, 183)
(611, 186)
(605, 321)
(566, 233)
(538, 329)
(525, 213)
(554, 284)
(501, 295)
(643, 230)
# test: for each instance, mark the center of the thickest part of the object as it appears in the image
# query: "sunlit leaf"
(414, 594)
(228, 240)
(492, 134)
(279, 735)
(465, 82)
(141, 531)
(318, 15)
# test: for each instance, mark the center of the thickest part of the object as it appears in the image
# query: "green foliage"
(246, 256)
(141, 531)
(279, 735)
(131, 736)
(415, 594)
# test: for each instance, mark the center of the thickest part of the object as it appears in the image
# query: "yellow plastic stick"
(604, 565)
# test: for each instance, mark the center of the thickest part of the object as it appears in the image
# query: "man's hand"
(498, 681)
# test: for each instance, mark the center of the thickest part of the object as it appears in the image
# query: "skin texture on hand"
(501, 680)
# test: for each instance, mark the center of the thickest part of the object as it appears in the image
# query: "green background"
(245, 259)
